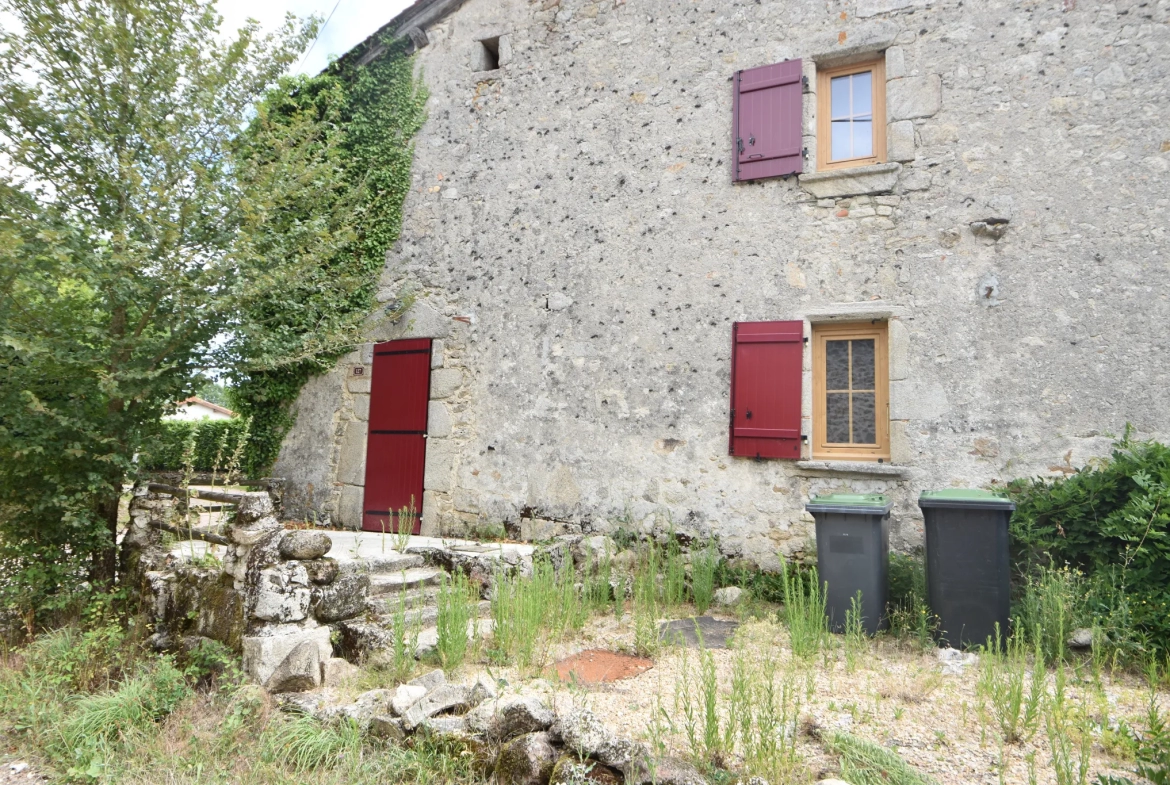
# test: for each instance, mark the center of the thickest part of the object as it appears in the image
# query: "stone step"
(424, 616)
(391, 561)
(403, 580)
(428, 638)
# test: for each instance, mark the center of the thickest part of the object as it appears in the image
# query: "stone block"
(305, 545)
(438, 348)
(404, 697)
(900, 141)
(263, 652)
(351, 466)
(878, 178)
(445, 382)
(899, 338)
(361, 407)
(349, 512)
(282, 594)
(438, 419)
(527, 760)
(440, 464)
(430, 514)
(358, 384)
(895, 62)
(430, 680)
(538, 529)
(343, 599)
(299, 671)
(336, 672)
(448, 697)
(913, 96)
(505, 718)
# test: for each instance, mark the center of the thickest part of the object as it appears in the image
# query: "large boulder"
(305, 544)
(449, 697)
(343, 599)
(322, 571)
(430, 680)
(504, 718)
(299, 671)
(360, 639)
(265, 650)
(404, 697)
(582, 731)
(728, 596)
(526, 760)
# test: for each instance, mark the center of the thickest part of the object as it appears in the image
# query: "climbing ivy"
(373, 112)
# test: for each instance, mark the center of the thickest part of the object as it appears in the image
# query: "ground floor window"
(851, 394)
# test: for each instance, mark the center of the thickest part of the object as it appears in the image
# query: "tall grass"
(855, 640)
(1052, 605)
(456, 607)
(1070, 736)
(757, 720)
(804, 611)
(866, 763)
(1016, 699)
(403, 640)
(704, 563)
(531, 613)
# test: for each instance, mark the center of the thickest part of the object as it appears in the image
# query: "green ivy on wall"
(373, 113)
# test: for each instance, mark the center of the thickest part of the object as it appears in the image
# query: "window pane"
(862, 139)
(837, 418)
(842, 146)
(864, 419)
(837, 365)
(863, 364)
(840, 92)
(862, 94)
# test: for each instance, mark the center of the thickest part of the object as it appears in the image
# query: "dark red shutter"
(767, 365)
(768, 121)
(397, 446)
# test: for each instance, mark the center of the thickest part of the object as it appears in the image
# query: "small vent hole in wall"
(489, 54)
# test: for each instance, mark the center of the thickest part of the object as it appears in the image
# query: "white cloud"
(351, 23)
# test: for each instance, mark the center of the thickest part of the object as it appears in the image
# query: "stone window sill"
(862, 180)
(865, 468)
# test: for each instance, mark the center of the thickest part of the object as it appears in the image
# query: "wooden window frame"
(825, 114)
(821, 448)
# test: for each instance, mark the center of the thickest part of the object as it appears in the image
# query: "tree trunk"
(105, 559)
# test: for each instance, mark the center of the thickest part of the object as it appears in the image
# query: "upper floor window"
(851, 115)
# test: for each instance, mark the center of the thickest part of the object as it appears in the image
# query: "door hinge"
(804, 82)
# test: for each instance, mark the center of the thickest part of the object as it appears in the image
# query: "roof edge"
(410, 24)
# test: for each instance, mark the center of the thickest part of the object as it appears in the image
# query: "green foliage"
(530, 614)
(766, 586)
(866, 763)
(372, 114)
(122, 209)
(1111, 521)
(1003, 673)
(305, 744)
(1052, 606)
(213, 439)
(910, 618)
(704, 564)
(804, 611)
(456, 608)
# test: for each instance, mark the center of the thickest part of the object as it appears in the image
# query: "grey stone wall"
(575, 240)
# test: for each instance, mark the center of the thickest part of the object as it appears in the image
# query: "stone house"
(688, 262)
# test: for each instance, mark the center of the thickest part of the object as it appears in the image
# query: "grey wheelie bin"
(967, 566)
(853, 554)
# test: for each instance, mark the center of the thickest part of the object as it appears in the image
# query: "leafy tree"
(134, 221)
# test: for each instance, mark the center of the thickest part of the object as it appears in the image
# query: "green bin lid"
(857, 503)
(966, 498)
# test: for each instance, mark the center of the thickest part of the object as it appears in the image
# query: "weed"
(855, 642)
(703, 565)
(866, 763)
(456, 608)
(898, 712)
(405, 528)
(1003, 672)
(910, 617)
(1051, 605)
(804, 611)
(304, 744)
(1069, 736)
(529, 614)
(403, 640)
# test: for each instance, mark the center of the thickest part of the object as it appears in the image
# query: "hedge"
(165, 453)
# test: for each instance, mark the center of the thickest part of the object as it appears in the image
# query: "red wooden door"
(397, 443)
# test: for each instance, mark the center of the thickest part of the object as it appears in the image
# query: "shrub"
(1110, 518)
(165, 452)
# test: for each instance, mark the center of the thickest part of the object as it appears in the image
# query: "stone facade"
(575, 243)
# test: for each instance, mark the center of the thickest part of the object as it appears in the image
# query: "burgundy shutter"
(767, 365)
(397, 447)
(768, 119)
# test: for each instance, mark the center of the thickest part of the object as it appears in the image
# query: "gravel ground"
(896, 695)
(17, 772)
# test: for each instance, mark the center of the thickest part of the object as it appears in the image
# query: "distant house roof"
(213, 406)
(411, 23)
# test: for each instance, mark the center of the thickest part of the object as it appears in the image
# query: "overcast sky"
(350, 24)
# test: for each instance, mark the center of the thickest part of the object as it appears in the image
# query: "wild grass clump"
(531, 613)
(305, 744)
(1070, 733)
(704, 563)
(404, 633)
(457, 610)
(1051, 607)
(866, 763)
(757, 720)
(804, 611)
(910, 617)
(1014, 692)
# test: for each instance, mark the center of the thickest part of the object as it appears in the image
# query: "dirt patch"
(597, 666)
